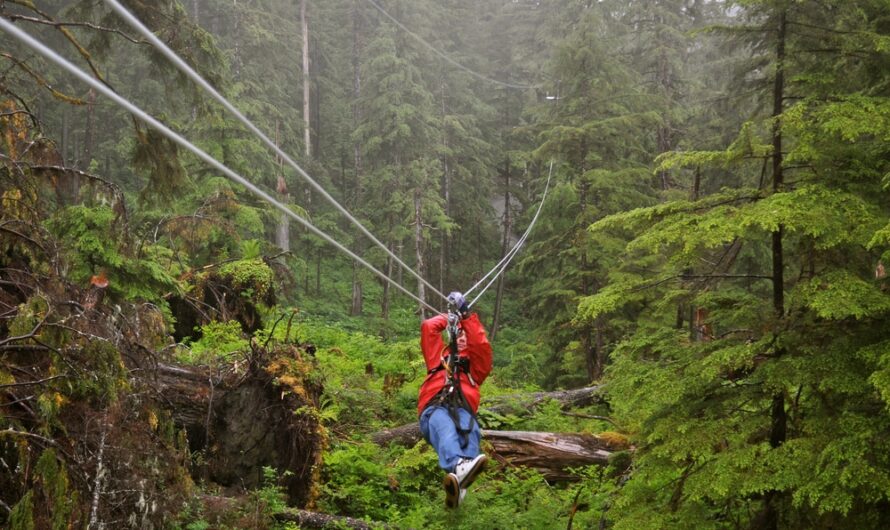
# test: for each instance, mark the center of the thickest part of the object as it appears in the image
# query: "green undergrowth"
(403, 487)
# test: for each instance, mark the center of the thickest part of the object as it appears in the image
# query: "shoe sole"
(474, 473)
(452, 491)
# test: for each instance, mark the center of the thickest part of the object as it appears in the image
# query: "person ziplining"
(449, 396)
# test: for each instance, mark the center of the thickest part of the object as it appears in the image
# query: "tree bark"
(418, 249)
(282, 238)
(89, 132)
(446, 198)
(552, 454)
(768, 519)
(307, 519)
(409, 434)
(508, 226)
(357, 291)
(304, 25)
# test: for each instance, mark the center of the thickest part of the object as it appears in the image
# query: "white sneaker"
(468, 469)
(454, 494)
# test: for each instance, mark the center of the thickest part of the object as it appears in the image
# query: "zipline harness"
(452, 395)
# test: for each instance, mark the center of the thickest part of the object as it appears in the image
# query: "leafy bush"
(220, 341)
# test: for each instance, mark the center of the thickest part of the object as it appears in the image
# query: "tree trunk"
(65, 137)
(357, 291)
(307, 519)
(282, 238)
(400, 252)
(384, 303)
(418, 249)
(446, 197)
(551, 454)
(516, 404)
(318, 273)
(356, 308)
(304, 25)
(505, 245)
(554, 455)
(89, 132)
(768, 519)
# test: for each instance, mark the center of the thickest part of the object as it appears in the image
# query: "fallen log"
(515, 403)
(552, 454)
(307, 519)
(241, 419)
(409, 434)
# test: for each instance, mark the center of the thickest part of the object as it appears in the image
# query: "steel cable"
(508, 257)
(52, 56)
(194, 76)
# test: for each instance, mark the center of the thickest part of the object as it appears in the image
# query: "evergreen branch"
(43, 82)
(28, 383)
(90, 25)
(70, 37)
(20, 235)
(749, 276)
(823, 28)
(25, 434)
(29, 335)
(589, 417)
(14, 112)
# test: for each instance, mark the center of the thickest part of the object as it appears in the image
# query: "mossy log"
(240, 421)
(409, 434)
(552, 454)
(307, 519)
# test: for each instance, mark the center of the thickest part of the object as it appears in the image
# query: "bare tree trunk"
(357, 293)
(282, 238)
(768, 519)
(508, 227)
(318, 273)
(446, 196)
(356, 307)
(304, 24)
(400, 253)
(418, 249)
(385, 301)
(65, 137)
(89, 131)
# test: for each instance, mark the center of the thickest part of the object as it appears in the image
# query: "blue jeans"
(438, 429)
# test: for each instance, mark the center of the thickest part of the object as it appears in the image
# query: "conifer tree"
(758, 415)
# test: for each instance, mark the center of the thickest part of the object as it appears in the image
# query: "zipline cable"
(508, 257)
(52, 56)
(435, 50)
(191, 73)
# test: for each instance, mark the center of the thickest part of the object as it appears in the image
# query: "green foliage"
(271, 497)
(252, 276)
(220, 342)
(56, 489)
(94, 243)
(22, 515)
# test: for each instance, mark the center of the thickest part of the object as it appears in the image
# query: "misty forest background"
(709, 258)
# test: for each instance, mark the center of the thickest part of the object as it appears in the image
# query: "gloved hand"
(457, 300)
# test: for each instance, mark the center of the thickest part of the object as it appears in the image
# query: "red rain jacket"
(478, 350)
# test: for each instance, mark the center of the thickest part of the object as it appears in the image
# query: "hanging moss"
(107, 374)
(59, 500)
(22, 515)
